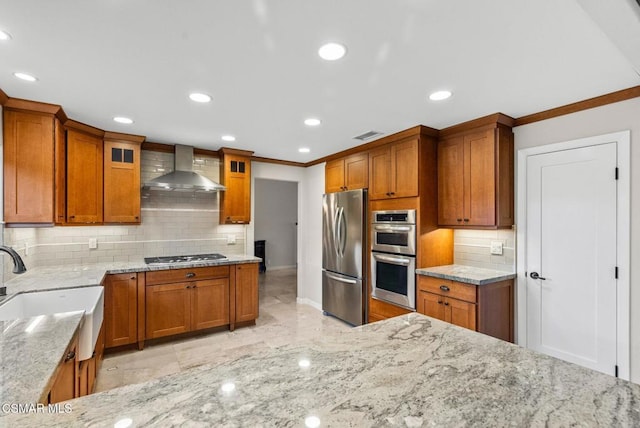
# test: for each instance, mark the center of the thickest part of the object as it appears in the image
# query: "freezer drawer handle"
(394, 260)
(337, 278)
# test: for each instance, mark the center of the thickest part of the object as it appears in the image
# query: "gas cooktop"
(183, 259)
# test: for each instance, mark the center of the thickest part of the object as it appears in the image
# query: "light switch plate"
(231, 239)
(496, 247)
(93, 243)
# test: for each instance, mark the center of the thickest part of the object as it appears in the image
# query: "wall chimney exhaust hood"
(183, 178)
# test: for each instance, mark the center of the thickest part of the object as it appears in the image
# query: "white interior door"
(571, 244)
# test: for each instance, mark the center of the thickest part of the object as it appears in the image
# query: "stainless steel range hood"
(183, 177)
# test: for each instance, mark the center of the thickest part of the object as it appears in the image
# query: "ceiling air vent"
(368, 135)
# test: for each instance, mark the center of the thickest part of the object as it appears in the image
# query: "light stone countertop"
(69, 276)
(468, 274)
(30, 351)
(410, 370)
(29, 360)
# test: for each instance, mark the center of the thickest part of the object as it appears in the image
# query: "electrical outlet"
(496, 248)
(93, 243)
(231, 239)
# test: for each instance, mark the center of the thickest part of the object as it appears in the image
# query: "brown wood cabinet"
(60, 203)
(475, 177)
(235, 175)
(65, 387)
(394, 170)
(349, 173)
(120, 309)
(486, 308)
(84, 177)
(199, 300)
(29, 145)
(246, 292)
(121, 179)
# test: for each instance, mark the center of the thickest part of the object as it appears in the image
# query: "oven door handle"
(394, 228)
(393, 260)
(337, 278)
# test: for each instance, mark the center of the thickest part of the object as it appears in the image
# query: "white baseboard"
(305, 301)
(280, 267)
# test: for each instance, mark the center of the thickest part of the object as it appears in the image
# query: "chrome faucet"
(18, 264)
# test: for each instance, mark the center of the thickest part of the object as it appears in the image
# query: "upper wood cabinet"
(29, 146)
(349, 173)
(475, 176)
(84, 177)
(235, 175)
(121, 179)
(394, 170)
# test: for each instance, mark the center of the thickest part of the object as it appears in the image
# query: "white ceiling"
(258, 59)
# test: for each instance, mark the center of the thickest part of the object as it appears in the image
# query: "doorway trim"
(623, 245)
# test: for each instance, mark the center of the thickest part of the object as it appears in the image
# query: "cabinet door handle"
(444, 288)
(393, 193)
(70, 356)
(72, 217)
(458, 220)
(446, 303)
(466, 220)
(439, 302)
(187, 286)
(133, 277)
(190, 275)
(194, 286)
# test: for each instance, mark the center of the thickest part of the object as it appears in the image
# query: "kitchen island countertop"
(468, 274)
(410, 370)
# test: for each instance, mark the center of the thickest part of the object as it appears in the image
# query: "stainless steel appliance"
(393, 262)
(343, 247)
(183, 259)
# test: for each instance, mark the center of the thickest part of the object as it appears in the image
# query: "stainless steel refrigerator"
(343, 249)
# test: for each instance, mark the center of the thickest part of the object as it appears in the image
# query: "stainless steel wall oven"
(393, 245)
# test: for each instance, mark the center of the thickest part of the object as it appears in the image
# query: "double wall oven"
(393, 257)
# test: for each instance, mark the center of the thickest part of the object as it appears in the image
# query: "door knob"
(534, 275)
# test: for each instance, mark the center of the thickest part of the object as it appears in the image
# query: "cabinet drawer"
(445, 287)
(186, 274)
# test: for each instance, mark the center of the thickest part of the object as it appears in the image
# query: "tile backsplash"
(172, 223)
(473, 248)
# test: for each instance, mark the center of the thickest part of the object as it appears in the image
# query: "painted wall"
(602, 120)
(311, 246)
(276, 216)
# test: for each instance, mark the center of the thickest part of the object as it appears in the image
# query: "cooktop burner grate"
(183, 259)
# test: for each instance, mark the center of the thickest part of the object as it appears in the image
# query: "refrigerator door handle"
(337, 278)
(343, 234)
(336, 232)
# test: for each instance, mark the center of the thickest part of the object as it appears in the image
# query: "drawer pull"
(444, 288)
(190, 275)
(70, 356)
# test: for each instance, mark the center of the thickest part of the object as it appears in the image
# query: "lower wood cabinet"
(186, 306)
(379, 310)
(246, 298)
(120, 309)
(65, 386)
(486, 308)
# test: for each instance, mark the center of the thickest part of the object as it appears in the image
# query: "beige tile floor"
(282, 321)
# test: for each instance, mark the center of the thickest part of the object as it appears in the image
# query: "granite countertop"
(410, 370)
(468, 274)
(30, 351)
(69, 276)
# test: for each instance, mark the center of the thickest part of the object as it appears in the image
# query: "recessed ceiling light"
(25, 76)
(122, 119)
(332, 51)
(312, 122)
(304, 149)
(228, 138)
(439, 95)
(4, 35)
(200, 98)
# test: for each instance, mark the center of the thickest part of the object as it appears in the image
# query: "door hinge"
(617, 172)
(616, 371)
(616, 272)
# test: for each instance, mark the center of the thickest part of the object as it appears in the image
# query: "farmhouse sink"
(87, 299)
